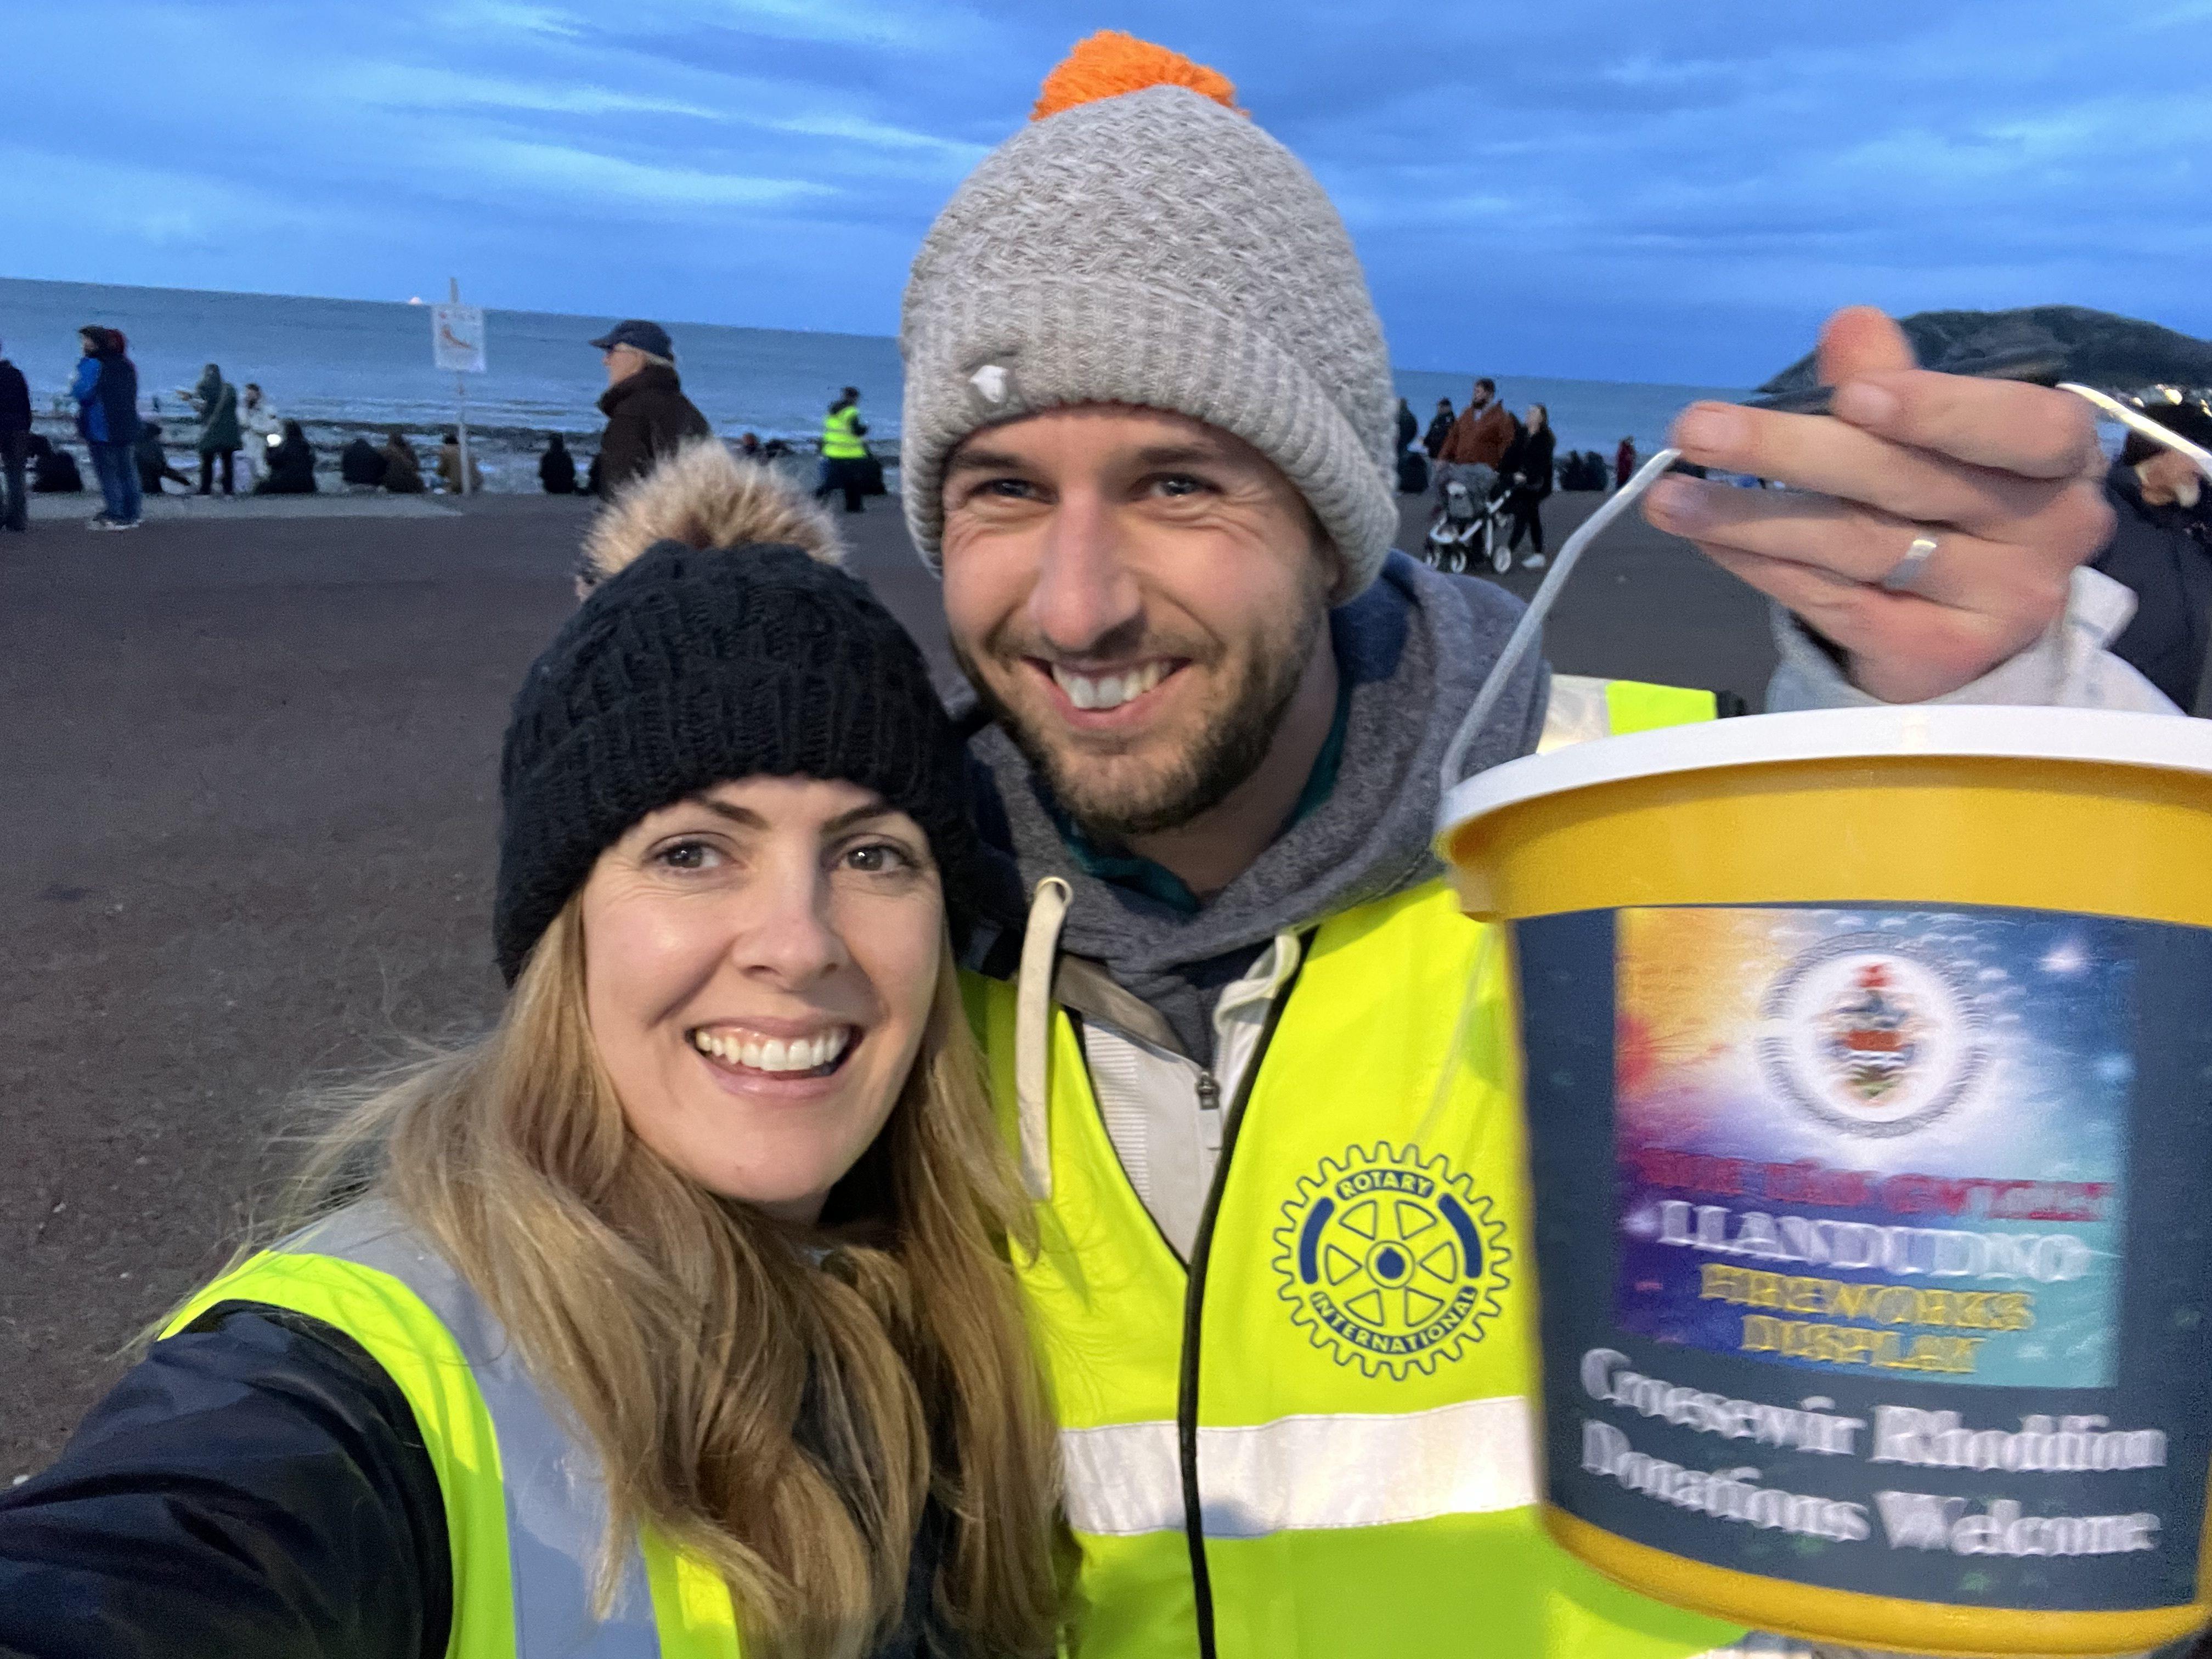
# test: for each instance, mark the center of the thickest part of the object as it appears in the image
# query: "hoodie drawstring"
(1033, 1032)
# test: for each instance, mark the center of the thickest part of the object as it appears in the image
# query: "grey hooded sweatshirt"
(1169, 1055)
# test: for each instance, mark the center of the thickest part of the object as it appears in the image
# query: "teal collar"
(1156, 881)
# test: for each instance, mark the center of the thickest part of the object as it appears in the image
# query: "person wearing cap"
(2161, 551)
(647, 415)
(1146, 438)
(673, 1316)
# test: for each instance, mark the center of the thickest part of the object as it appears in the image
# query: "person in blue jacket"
(106, 393)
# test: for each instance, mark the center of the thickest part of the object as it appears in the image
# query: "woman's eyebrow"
(877, 809)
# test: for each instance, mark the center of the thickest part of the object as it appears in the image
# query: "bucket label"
(1925, 1123)
(1901, 1287)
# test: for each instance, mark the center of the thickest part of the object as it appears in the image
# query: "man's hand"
(2006, 477)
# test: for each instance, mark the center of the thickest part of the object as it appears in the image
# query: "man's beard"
(1228, 749)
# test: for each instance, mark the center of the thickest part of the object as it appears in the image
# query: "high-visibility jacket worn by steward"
(1317, 1436)
(525, 1509)
(839, 442)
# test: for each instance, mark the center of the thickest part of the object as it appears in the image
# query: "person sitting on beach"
(291, 463)
(54, 469)
(556, 467)
(362, 464)
(449, 467)
(402, 472)
(748, 446)
(153, 461)
(709, 1238)
(647, 415)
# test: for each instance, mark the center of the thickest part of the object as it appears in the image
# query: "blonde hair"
(687, 1332)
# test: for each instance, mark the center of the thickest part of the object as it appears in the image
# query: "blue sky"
(1652, 190)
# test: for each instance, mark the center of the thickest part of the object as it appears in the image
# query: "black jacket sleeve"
(2170, 571)
(254, 1489)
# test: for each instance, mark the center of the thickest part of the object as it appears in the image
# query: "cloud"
(1607, 188)
(612, 181)
(403, 86)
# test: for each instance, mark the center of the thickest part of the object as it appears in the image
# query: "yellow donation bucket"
(1868, 1057)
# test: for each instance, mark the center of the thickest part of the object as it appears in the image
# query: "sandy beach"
(248, 835)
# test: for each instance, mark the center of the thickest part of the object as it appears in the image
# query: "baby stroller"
(1466, 534)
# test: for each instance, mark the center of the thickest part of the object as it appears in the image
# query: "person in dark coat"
(556, 467)
(54, 469)
(362, 464)
(1409, 426)
(215, 400)
(153, 461)
(14, 446)
(647, 415)
(107, 392)
(291, 466)
(2161, 549)
(1440, 428)
(403, 472)
(1624, 462)
(1527, 470)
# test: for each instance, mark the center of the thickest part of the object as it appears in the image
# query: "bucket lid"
(2111, 738)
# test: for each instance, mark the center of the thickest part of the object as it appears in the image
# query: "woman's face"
(761, 960)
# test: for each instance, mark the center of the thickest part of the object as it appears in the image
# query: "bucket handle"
(1532, 620)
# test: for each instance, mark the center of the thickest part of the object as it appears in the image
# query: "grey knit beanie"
(1154, 248)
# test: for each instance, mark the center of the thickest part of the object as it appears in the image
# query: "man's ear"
(1327, 560)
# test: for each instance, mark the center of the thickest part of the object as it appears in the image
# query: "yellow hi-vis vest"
(839, 441)
(1319, 1438)
(526, 1511)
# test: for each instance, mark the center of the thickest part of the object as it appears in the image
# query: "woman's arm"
(254, 1489)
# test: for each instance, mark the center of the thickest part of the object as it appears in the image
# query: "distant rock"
(2101, 349)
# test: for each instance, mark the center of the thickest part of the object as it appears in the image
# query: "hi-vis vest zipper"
(1319, 1437)
(525, 1508)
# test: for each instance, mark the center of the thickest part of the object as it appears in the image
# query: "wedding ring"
(1906, 571)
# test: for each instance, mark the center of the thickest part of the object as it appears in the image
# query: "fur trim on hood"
(705, 497)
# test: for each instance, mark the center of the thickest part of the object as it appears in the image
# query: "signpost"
(457, 342)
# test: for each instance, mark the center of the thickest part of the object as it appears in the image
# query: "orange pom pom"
(1111, 63)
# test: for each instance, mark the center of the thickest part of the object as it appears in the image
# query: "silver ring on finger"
(1904, 575)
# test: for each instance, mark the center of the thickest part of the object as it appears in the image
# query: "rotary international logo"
(1873, 1035)
(1390, 1261)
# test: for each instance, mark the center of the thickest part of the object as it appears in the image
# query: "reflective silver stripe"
(555, 1503)
(1305, 1473)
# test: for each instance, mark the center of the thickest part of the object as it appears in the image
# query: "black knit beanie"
(687, 668)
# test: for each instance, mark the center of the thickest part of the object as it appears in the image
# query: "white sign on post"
(457, 338)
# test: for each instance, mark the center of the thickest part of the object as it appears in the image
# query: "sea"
(344, 366)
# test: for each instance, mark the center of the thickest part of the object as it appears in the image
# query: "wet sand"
(246, 841)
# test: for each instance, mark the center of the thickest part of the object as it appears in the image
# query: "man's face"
(1137, 595)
